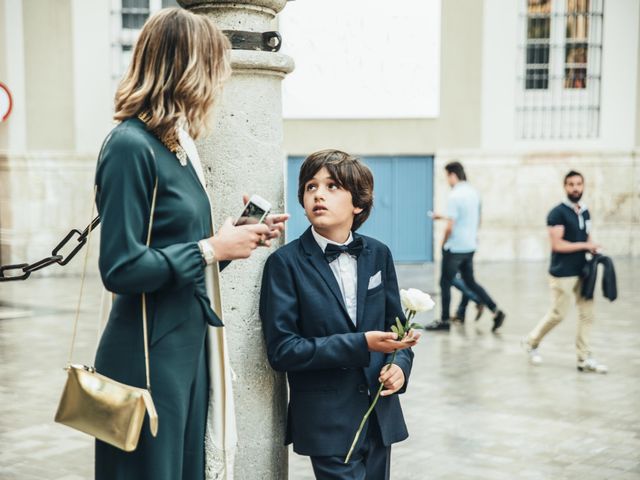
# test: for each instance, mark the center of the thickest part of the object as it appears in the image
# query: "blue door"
(403, 194)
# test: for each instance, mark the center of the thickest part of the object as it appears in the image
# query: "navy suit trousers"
(371, 461)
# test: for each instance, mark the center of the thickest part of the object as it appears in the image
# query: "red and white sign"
(6, 103)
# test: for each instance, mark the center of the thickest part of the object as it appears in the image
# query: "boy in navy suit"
(327, 303)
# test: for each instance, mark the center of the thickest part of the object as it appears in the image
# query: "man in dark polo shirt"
(569, 226)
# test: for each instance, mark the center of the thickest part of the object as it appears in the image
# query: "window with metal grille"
(560, 69)
(538, 45)
(127, 18)
(134, 13)
(576, 44)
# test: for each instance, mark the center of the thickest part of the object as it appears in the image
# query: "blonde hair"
(179, 64)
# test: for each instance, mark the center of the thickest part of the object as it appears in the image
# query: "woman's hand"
(232, 243)
(275, 223)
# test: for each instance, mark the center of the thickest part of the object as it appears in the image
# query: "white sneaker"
(591, 365)
(534, 356)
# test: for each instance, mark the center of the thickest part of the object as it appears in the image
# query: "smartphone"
(255, 211)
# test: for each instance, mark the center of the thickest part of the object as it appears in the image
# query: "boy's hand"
(386, 342)
(411, 337)
(392, 378)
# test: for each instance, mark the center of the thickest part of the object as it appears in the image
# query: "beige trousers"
(562, 289)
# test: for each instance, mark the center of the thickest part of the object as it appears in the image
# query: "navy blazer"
(310, 335)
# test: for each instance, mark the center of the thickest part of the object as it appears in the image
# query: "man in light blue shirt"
(463, 210)
(459, 244)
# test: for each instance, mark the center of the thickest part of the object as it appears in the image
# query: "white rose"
(416, 300)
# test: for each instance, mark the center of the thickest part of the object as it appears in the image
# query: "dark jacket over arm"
(590, 276)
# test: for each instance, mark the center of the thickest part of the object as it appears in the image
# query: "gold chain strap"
(144, 298)
(84, 271)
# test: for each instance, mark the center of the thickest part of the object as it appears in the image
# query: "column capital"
(260, 63)
(274, 6)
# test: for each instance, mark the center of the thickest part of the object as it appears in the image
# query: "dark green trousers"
(180, 390)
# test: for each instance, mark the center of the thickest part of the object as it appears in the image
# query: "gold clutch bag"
(108, 410)
(100, 406)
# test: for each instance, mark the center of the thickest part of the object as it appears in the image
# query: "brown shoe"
(479, 311)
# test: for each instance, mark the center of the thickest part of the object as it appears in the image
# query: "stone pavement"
(475, 408)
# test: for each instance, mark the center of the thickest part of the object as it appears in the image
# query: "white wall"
(92, 73)
(619, 72)
(362, 59)
(498, 73)
(13, 132)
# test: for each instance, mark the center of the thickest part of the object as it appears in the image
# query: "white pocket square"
(375, 280)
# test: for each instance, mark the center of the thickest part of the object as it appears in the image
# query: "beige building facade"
(61, 61)
(55, 59)
(483, 48)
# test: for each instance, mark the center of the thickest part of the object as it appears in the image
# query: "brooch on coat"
(171, 141)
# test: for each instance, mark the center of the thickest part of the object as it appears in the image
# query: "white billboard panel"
(362, 58)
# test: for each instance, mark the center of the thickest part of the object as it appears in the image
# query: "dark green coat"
(171, 272)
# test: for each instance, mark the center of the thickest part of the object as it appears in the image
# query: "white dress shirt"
(345, 269)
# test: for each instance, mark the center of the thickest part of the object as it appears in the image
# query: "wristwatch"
(207, 252)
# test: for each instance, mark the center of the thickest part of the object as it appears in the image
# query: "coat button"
(362, 389)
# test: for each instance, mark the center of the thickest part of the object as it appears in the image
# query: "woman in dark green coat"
(179, 63)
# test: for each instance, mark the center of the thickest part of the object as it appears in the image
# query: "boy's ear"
(357, 210)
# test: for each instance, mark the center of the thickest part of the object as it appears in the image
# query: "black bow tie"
(333, 251)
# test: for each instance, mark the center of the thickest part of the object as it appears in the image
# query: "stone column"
(244, 155)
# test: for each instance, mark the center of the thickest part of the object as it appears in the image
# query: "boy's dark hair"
(572, 173)
(348, 172)
(457, 169)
